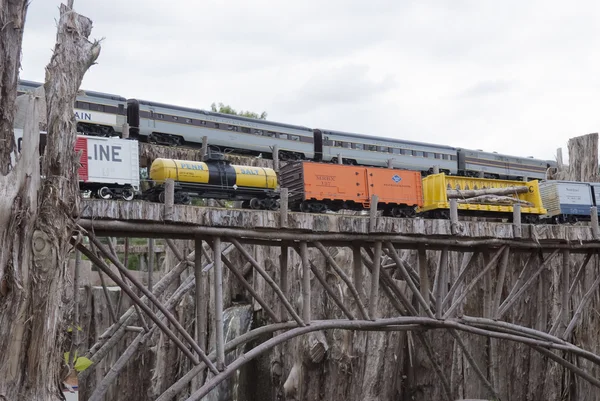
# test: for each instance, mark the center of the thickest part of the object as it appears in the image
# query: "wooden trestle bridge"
(427, 270)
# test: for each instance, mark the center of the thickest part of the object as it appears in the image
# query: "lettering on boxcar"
(325, 180)
(106, 152)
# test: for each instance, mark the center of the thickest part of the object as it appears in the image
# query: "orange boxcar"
(316, 187)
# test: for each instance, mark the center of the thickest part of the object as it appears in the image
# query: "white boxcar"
(110, 167)
(567, 198)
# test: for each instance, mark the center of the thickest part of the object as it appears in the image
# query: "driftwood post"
(276, 158)
(218, 289)
(424, 279)
(169, 199)
(594, 222)
(283, 207)
(306, 292)
(373, 213)
(517, 228)
(151, 256)
(125, 134)
(283, 279)
(36, 218)
(200, 301)
(339, 159)
(454, 227)
(204, 147)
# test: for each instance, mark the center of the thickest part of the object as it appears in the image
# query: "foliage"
(81, 362)
(226, 109)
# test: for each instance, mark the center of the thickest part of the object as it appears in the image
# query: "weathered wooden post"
(481, 174)
(283, 208)
(339, 159)
(390, 163)
(283, 280)
(454, 216)
(218, 289)
(374, 293)
(201, 298)
(441, 284)
(125, 134)
(150, 262)
(169, 199)
(423, 278)
(373, 213)
(565, 289)
(204, 147)
(517, 228)
(436, 169)
(594, 222)
(306, 315)
(276, 158)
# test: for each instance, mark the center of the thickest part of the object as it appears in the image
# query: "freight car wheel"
(105, 193)
(127, 194)
(254, 204)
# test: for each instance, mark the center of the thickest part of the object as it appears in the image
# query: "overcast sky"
(516, 77)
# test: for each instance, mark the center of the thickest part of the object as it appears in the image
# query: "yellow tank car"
(216, 179)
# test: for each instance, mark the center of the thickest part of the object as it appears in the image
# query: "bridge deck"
(188, 218)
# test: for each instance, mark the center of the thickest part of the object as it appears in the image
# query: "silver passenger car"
(175, 125)
(97, 113)
(376, 151)
(495, 165)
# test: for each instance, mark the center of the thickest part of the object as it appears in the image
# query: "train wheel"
(127, 194)
(255, 204)
(105, 193)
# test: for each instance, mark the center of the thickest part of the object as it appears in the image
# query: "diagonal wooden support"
(154, 300)
(268, 279)
(511, 300)
(250, 289)
(137, 308)
(530, 261)
(391, 251)
(469, 260)
(345, 278)
(500, 281)
(584, 301)
(101, 265)
(472, 284)
(330, 291)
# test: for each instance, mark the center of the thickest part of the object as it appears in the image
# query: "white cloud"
(514, 77)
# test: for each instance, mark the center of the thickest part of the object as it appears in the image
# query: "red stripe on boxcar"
(81, 145)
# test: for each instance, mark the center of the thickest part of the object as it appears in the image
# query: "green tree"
(226, 109)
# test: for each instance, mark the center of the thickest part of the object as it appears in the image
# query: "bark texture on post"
(36, 218)
(13, 22)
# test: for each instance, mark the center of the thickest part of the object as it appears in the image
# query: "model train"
(109, 168)
(102, 114)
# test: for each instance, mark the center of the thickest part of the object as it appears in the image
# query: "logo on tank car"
(190, 166)
(248, 171)
(396, 178)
